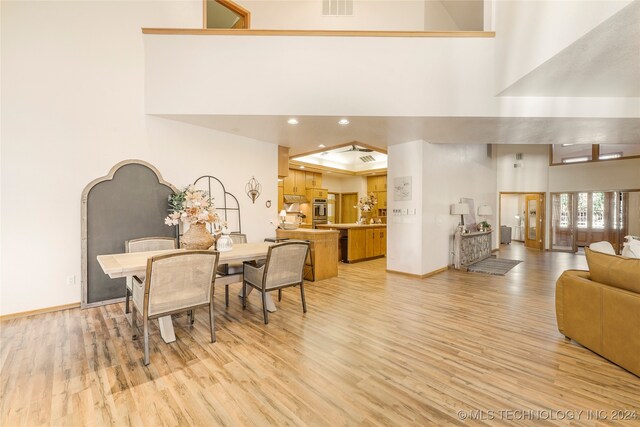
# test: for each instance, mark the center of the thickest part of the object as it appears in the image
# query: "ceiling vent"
(519, 156)
(337, 7)
(367, 159)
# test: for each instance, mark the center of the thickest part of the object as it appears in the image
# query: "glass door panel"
(533, 222)
(562, 232)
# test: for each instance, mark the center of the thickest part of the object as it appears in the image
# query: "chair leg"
(279, 294)
(192, 317)
(226, 295)
(134, 322)
(212, 322)
(264, 307)
(244, 295)
(145, 327)
(126, 301)
(304, 303)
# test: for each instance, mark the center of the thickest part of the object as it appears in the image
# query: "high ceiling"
(353, 158)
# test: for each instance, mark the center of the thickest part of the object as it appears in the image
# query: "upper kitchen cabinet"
(294, 183)
(313, 180)
(283, 161)
(377, 183)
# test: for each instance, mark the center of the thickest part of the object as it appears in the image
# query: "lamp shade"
(459, 209)
(283, 213)
(485, 210)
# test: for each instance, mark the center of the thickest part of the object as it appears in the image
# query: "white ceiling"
(382, 132)
(605, 62)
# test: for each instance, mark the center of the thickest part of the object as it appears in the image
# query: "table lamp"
(460, 209)
(485, 210)
(283, 216)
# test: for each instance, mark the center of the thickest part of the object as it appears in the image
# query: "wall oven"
(319, 212)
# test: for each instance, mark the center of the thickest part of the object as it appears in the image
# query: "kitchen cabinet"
(377, 183)
(280, 197)
(317, 193)
(362, 241)
(322, 262)
(382, 199)
(294, 183)
(313, 180)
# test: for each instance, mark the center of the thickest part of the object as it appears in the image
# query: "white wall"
(73, 106)
(453, 171)
(532, 173)
(344, 184)
(382, 15)
(609, 175)
(441, 175)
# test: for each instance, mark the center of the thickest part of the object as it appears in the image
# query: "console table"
(470, 248)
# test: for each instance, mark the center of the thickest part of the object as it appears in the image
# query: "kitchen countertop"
(309, 230)
(347, 226)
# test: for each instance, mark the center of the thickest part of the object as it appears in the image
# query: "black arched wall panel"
(129, 203)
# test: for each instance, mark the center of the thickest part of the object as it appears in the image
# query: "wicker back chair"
(283, 268)
(175, 283)
(145, 244)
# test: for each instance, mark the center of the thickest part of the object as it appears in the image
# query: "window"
(582, 210)
(563, 154)
(597, 217)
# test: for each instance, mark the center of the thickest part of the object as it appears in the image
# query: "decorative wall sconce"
(253, 189)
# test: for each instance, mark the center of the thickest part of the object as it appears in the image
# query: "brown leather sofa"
(600, 308)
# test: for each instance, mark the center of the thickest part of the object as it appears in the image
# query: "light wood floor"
(373, 349)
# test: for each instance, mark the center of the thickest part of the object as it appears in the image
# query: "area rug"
(495, 266)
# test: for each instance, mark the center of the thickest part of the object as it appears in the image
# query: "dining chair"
(145, 244)
(283, 268)
(232, 268)
(175, 283)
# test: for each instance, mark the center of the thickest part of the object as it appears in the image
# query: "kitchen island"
(322, 262)
(360, 242)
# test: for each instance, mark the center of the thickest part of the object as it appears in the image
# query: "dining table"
(134, 264)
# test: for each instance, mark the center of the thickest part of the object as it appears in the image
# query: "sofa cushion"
(614, 270)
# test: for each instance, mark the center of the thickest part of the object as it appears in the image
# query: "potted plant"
(484, 226)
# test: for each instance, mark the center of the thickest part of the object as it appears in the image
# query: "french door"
(579, 219)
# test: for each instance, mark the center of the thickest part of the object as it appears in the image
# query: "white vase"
(224, 243)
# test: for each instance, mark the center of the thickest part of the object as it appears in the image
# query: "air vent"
(367, 159)
(518, 156)
(337, 7)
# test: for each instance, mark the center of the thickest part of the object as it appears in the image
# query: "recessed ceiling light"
(292, 121)
(301, 167)
(343, 122)
(321, 146)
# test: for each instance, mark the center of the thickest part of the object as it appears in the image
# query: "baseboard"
(419, 276)
(495, 250)
(40, 311)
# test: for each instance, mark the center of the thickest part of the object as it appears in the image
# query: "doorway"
(349, 210)
(333, 208)
(524, 214)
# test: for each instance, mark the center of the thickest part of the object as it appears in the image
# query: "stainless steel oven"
(319, 212)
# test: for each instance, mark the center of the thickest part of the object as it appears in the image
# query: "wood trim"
(315, 33)
(234, 7)
(334, 147)
(543, 196)
(419, 276)
(40, 311)
(293, 164)
(372, 172)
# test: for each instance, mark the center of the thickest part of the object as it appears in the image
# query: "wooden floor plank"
(375, 348)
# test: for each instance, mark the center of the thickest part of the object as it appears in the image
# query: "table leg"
(166, 329)
(271, 306)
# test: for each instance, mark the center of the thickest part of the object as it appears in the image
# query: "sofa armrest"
(568, 275)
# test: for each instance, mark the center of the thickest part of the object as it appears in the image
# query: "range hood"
(294, 198)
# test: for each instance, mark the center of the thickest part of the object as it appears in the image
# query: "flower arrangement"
(191, 206)
(366, 203)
